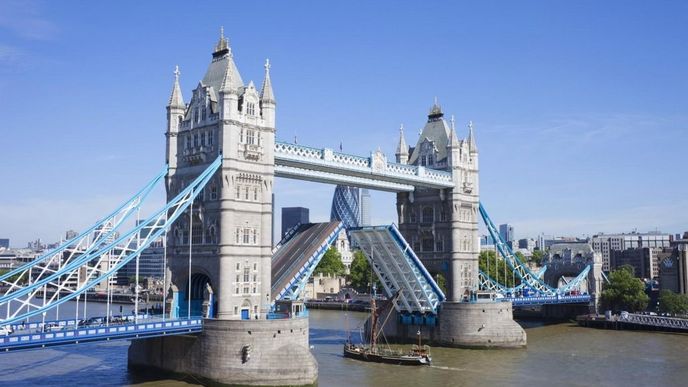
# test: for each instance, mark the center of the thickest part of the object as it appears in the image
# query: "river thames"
(561, 354)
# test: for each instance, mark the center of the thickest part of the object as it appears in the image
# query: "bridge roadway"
(65, 332)
(295, 259)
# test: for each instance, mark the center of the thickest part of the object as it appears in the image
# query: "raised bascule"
(233, 312)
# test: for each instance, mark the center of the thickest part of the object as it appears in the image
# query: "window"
(255, 277)
(250, 108)
(210, 237)
(238, 192)
(245, 289)
(253, 233)
(196, 140)
(255, 307)
(185, 237)
(255, 266)
(197, 231)
(246, 274)
(250, 137)
(236, 308)
(412, 216)
(203, 113)
(236, 290)
(196, 116)
(427, 215)
(237, 241)
(213, 192)
(427, 244)
(241, 135)
(422, 160)
(188, 142)
(246, 236)
(246, 193)
(439, 245)
(238, 278)
(255, 194)
(211, 135)
(204, 138)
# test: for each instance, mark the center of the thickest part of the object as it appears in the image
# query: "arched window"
(428, 215)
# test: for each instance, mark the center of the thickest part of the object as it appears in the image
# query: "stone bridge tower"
(442, 225)
(229, 234)
(442, 228)
(230, 230)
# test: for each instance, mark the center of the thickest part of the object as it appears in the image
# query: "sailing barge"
(418, 355)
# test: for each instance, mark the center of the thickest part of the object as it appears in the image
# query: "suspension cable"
(190, 247)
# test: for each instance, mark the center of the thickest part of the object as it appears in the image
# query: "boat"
(417, 355)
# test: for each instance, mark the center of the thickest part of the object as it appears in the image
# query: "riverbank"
(636, 322)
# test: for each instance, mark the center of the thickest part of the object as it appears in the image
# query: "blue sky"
(579, 108)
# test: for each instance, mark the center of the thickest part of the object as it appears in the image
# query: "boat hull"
(364, 355)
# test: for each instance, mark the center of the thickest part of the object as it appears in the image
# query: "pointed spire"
(226, 86)
(471, 138)
(266, 93)
(176, 99)
(222, 46)
(435, 112)
(402, 148)
(453, 139)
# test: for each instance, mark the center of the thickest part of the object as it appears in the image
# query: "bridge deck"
(297, 257)
(548, 300)
(66, 333)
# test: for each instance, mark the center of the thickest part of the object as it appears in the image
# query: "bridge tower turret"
(175, 115)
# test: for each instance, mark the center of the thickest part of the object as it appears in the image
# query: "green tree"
(537, 257)
(13, 278)
(497, 269)
(441, 282)
(360, 273)
(331, 263)
(672, 303)
(624, 291)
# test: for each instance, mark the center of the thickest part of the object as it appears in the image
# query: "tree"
(13, 278)
(441, 282)
(360, 273)
(624, 291)
(672, 303)
(331, 263)
(537, 257)
(497, 269)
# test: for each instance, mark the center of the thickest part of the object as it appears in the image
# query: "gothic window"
(412, 216)
(238, 265)
(195, 140)
(246, 193)
(427, 244)
(250, 137)
(203, 113)
(246, 289)
(185, 236)
(197, 117)
(188, 142)
(246, 274)
(197, 230)
(238, 278)
(427, 215)
(241, 135)
(255, 194)
(210, 235)
(204, 138)
(238, 192)
(237, 241)
(429, 159)
(422, 160)
(211, 134)
(255, 267)
(247, 236)
(439, 244)
(250, 108)
(253, 233)
(213, 192)
(255, 277)
(443, 214)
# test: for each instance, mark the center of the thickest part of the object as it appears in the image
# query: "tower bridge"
(221, 161)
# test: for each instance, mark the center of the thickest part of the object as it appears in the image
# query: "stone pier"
(234, 352)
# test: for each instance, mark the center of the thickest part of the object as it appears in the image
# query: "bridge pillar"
(225, 243)
(442, 228)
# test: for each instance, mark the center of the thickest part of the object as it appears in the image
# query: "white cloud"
(25, 19)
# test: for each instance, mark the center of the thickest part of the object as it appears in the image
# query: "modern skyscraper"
(5, 243)
(365, 207)
(291, 216)
(346, 206)
(506, 231)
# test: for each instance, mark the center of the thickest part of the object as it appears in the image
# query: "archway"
(202, 297)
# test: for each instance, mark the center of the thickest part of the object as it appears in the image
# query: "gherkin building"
(346, 206)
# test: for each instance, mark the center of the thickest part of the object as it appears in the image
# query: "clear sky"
(579, 107)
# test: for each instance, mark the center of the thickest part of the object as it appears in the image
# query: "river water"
(561, 354)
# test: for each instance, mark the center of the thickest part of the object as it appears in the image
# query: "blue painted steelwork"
(297, 284)
(77, 335)
(152, 228)
(522, 271)
(547, 300)
(84, 243)
(399, 269)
